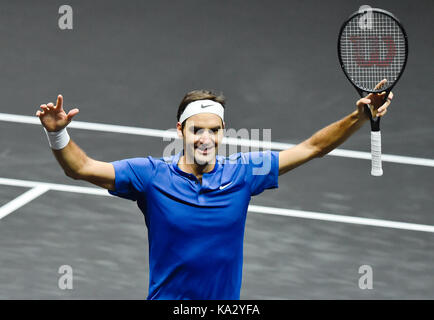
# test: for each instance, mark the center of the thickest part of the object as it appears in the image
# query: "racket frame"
(375, 122)
(358, 13)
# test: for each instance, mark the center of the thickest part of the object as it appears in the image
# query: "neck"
(194, 168)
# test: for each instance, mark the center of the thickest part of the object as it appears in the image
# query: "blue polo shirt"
(195, 230)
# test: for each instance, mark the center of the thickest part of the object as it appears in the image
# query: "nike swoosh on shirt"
(222, 187)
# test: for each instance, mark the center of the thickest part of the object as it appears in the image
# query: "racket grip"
(376, 169)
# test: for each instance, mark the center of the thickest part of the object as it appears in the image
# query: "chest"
(190, 206)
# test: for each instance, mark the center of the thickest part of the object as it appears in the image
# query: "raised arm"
(74, 161)
(330, 137)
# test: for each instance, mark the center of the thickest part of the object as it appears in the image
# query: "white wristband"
(58, 139)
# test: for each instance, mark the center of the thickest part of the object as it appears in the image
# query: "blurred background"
(130, 63)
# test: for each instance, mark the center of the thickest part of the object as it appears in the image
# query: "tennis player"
(195, 203)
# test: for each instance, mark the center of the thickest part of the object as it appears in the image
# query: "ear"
(223, 127)
(179, 130)
(222, 130)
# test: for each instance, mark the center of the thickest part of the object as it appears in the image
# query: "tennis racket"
(372, 45)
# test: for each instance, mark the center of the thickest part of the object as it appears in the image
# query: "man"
(195, 203)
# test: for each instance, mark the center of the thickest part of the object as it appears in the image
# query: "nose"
(206, 137)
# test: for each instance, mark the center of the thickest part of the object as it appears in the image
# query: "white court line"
(53, 186)
(343, 219)
(252, 208)
(231, 141)
(21, 200)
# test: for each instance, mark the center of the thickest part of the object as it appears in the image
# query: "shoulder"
(235, 158)
(140, 163)
(248, 157)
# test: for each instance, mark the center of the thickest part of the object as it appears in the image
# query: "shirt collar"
(175, 161)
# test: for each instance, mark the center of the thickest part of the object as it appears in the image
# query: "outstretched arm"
(330, 137)
(74, 161)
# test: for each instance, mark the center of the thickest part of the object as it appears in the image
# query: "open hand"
(53, 117)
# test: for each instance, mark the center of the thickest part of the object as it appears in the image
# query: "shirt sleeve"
(132, 177)
(262, 170)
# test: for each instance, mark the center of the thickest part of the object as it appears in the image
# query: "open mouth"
(204, 150)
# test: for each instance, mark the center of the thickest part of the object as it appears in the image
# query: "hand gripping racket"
(372, 46)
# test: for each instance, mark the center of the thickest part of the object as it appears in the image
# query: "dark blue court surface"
(130, 63)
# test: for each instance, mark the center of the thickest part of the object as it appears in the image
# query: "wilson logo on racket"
(383, 44)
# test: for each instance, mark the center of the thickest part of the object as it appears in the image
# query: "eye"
(194, 130)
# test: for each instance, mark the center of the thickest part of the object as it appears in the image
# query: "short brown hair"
(199, 95)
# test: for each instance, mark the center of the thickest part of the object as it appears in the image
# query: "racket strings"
(372, 49)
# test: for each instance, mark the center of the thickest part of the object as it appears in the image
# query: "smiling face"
(201, 136)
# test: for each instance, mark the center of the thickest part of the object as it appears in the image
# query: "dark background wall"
(131, 62)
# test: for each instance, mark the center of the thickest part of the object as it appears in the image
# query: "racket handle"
(376, 169)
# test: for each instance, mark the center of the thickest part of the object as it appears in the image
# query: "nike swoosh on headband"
(208, 105)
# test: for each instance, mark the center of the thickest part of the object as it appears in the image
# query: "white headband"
(202, 106)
